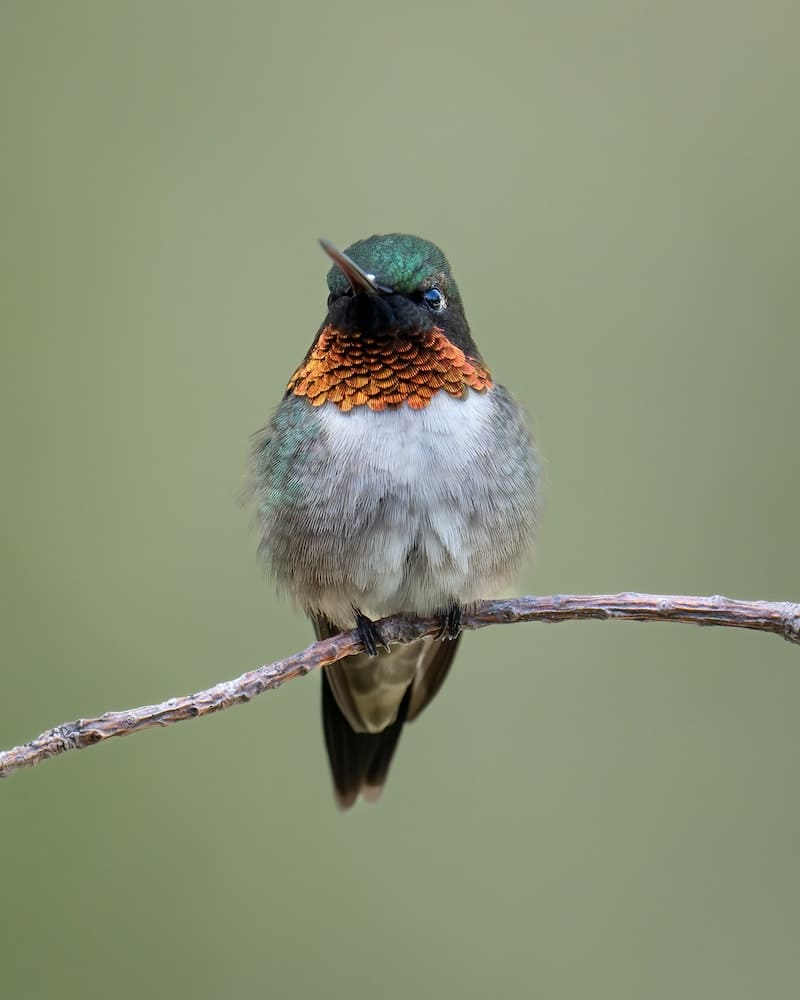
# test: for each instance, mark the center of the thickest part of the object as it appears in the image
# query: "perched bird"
(394, 478)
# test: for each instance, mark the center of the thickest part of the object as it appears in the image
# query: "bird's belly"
(401, 511)
(404, 481)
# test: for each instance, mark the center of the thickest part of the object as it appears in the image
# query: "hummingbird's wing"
(360, 759)
(431, 673)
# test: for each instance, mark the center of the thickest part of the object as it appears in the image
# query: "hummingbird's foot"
(451, 623)
(369, 634)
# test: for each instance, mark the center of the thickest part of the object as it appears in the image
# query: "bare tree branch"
(781, 618)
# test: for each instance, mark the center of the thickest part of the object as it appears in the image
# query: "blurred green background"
(589, 810)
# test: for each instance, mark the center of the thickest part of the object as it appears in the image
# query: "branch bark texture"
(780, 618)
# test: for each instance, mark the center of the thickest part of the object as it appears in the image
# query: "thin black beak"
(360, 281)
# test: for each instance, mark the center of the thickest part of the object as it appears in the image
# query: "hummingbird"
(395, 477)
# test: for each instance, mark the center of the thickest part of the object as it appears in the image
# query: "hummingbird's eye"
(434, 300)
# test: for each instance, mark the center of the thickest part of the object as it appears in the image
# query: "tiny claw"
(369, 634)
(451, 623)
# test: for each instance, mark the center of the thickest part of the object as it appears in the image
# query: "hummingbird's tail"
(359, 761)
(360, 688)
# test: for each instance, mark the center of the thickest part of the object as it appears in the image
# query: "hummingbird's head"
(395, 333)
(394, 284)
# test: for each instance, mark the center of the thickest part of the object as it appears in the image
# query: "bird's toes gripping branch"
(451, 622)
(369, 634)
